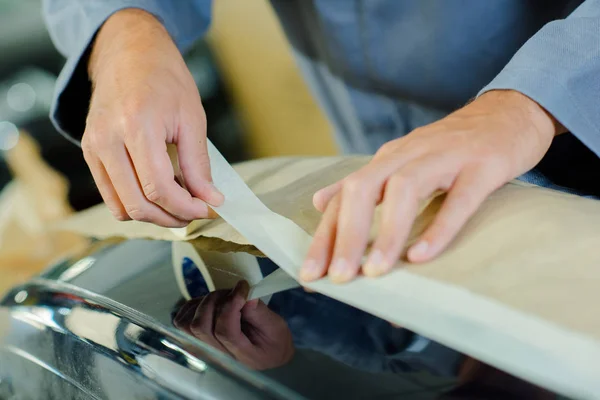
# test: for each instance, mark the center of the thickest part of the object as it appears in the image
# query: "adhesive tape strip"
(191, 274)
(198, 273)
(276, 282)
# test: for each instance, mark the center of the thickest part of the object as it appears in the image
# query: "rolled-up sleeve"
(559, 68)
(73, 25)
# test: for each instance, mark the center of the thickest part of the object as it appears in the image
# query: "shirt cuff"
(545, 89)
(73, 90)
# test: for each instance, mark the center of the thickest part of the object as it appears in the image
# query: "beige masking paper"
(517, 289)
(455, 303)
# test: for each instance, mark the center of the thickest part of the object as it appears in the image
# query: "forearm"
(76, 26)
(126, 35)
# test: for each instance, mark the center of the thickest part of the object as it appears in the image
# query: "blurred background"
(256, 103)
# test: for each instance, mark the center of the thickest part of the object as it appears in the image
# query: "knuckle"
(120, 215)
(130, 125)
(222, 331)
(91, 141)
(97, 137)
(153, 192)
(355, 185)
(178, 324)
(86, 145)
(387, 148)
(199, 330)
(138, 213)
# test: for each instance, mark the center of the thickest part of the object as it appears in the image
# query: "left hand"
(468, 154)
(246, 330)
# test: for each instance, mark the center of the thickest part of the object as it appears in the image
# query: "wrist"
(528, 110)
(126, 34)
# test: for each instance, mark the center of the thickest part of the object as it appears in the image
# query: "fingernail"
(242, 288)
(375, 264)
(251, 304)
(216, 198)
(340, 271)
(310, 271)
(418, 251)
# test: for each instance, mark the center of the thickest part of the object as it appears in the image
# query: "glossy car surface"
(113, 324)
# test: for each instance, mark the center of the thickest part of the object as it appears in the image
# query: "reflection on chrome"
(21, 296)
(77, 269)
(108, 333)
(71, 331)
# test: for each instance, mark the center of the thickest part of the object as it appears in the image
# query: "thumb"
(195, 164)
(259, 315)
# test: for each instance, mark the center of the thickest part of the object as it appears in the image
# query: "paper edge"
(452, 310)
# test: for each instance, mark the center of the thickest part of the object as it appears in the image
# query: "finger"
(399, 208)
(185, 315)
(122, 173)
(359, 195)
(382, 167)
(157, 178)
(403, 190)
(105, 187)
(468, 192)
(362, 187)
(322, 198)
(260, 316)
(202, 325)
(228, 325)
(321, 247)
(195, 163)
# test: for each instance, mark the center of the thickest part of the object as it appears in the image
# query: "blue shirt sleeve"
(73, 25)
(559, 68)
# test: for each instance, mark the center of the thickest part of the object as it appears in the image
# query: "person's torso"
(439, 53)
(381, 68)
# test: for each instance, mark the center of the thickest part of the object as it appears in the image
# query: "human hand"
(144, 98)
(468, 154)
(248, 331)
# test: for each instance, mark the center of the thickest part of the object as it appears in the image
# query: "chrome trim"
(91, 331)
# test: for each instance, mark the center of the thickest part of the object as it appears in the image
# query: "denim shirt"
(381, 68)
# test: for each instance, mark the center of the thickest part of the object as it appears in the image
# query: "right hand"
(144, 98)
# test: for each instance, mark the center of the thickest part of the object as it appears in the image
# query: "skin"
(468, 154)
(145, 98)
(246, 330)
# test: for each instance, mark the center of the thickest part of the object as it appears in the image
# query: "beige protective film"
(517, 289)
